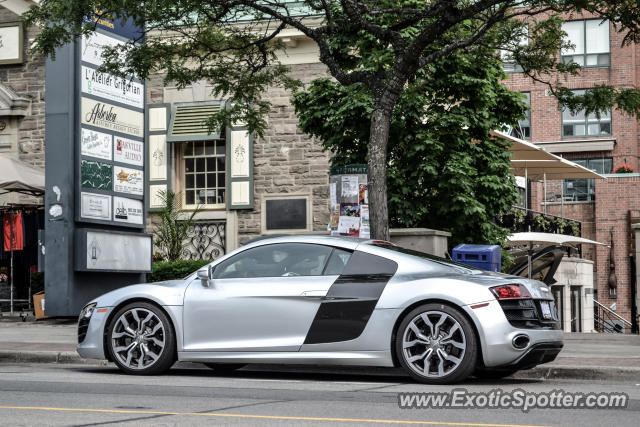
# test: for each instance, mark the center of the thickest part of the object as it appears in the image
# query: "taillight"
(382, 242)
(510, 292)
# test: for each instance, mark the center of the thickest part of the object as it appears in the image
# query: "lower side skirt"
(353, 358)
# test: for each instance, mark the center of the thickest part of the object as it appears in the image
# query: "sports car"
(328, 301)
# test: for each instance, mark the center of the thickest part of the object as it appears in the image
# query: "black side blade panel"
(350, 301)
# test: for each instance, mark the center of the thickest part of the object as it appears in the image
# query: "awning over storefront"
(18, 177)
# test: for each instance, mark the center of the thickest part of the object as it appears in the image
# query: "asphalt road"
(84, 395)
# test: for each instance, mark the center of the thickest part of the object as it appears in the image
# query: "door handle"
(314, 294)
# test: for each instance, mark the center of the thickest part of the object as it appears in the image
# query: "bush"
(170, 270)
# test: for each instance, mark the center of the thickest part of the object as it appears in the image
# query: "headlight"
(87, 311)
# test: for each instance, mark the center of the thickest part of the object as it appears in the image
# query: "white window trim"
(181, 185)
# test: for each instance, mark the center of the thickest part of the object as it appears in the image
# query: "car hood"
(169, 292)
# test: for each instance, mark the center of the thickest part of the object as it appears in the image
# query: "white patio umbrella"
(17, 177)
(530, 239)
(533, 162)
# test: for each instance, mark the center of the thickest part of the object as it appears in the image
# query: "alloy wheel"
(138, 338)
(433, 344)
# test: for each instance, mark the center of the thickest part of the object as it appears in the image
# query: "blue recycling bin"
(485, 257)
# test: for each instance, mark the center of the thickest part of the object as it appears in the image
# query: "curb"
(539, 373)
(63, 357)
(580, 373)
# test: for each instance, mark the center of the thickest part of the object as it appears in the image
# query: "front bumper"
(92, 346)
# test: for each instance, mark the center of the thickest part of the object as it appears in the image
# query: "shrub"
(170, 270)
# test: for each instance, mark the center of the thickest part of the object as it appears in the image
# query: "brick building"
(603, 206)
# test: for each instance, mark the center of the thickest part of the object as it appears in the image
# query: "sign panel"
(96, 144)
(111, 87)
(111, 117)
(127, 210)
(93, 46)
(95, 206)
(126, 180)
(96, 175)
(11, 43)
(129, 151)
(158, 157)
(119, 252)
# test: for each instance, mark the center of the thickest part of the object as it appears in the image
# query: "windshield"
(465, 268)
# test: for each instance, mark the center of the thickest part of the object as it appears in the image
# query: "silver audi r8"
(328, 301)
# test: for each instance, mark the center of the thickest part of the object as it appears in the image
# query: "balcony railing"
(521, 220)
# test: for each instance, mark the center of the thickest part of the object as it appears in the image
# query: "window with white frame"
(509, 64)
(590, 38)
(204, 173)
(581, 124)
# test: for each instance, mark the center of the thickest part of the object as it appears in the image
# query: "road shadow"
(305, 373)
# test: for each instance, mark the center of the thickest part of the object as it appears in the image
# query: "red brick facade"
(614, 197)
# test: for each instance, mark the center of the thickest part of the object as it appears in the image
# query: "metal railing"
(607, 320)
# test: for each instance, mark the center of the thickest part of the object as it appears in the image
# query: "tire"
(141, 339)
(493, 374)
(447, 343)
(225, 368)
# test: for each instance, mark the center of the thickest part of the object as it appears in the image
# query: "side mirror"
(205, 273)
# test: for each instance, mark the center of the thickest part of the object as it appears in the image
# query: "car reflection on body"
(328, 301)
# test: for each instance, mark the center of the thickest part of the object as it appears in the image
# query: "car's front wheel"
(141, 340)
(436, 344)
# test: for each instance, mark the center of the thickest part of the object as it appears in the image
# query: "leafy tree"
(381, 45)
(171, 233)
(445, 171)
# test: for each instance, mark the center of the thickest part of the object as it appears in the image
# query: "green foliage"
(171, 232)
(171, 270)
(575, 229)
(444, 170)
(542, 223)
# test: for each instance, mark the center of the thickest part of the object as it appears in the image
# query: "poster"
(11, 43)
(127, 210)
(363, 194)
(335, 219)
(96, 144)
(113, 88)
(129, 151)
(96, 175)
(333, 199)
(349, 225)
(112, 117)
(349, 209)
(128, 181)
(349, 188)
(95, 206)
(365, 227)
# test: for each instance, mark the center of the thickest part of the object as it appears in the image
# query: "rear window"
(438, 260)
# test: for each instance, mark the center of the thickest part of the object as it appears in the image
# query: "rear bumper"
(537, 354)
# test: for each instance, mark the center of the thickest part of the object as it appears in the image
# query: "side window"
(284, 259)
(337, 262)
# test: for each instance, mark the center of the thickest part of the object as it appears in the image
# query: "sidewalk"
(585, 356)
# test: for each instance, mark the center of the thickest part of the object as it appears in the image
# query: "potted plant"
(623, 168)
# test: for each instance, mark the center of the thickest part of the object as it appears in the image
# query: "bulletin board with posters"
(349, 201)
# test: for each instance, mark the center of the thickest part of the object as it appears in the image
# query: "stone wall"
(27, 80)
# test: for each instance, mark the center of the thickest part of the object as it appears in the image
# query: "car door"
(261, 299)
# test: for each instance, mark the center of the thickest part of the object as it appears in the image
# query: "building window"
(204, 173)
(582, 190)
(509, 64)
(591, 40)
(580, 124)
(523, 129)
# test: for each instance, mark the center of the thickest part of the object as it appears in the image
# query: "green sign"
(96, 175)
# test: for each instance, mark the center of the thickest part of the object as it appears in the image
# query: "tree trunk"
(377, 176)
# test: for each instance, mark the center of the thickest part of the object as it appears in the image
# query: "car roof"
(339, 241)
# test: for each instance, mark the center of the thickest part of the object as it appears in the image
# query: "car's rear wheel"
(436, 344)
(141, 340)
(225, 368)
